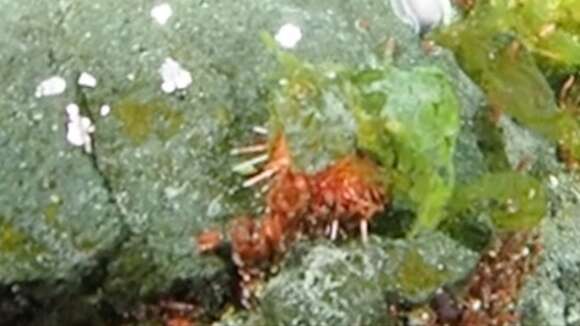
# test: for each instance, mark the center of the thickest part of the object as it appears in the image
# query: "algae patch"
(11, 239)
(50, 212)
(15, 244)
(141, 120)
(416, 276)
(514, 201)
(510, 49)
(409, 119)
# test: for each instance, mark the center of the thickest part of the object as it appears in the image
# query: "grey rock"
(348, 284)
(552, 295)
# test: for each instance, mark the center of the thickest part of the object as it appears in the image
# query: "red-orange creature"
(341, 198)
(209, 240)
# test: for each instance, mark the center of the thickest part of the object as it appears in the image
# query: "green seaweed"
(413, 134)
(515, 201)
(503, 45)
(408, 119)
(549, 28)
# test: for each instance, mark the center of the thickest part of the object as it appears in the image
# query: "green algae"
(514, 201)
(408, 119)
(15, 244)
(11, 239)
(415, 275)
(140, 120)
(548, 28)
(507, 48)
(412, 128)
(51, 212)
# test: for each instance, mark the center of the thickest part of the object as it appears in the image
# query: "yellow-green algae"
(15, 243)
(11, 239)
(415, 275)
(504, 44)
(50, 213)
(409, 119)
(142, 119)
(513, 200)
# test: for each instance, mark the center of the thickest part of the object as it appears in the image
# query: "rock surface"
(97, 232)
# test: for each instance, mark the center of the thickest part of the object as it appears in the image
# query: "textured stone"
(348, 284)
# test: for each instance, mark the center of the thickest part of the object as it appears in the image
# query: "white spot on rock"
(54, 85)
(105, 110)
(554, 182)
(174, 76)
(288, 36)
(87, 80)
(161, 13)
(79, 128)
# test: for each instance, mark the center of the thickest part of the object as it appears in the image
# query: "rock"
(347, 285)
(552, 296)
(57, 215)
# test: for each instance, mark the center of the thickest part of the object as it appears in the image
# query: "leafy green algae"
(514, 201)
(504, 45)
(413, 133)
(408, 119)
(549, 28)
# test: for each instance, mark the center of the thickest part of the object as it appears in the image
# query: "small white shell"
(422, 15)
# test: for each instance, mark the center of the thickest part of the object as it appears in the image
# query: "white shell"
(422, 14)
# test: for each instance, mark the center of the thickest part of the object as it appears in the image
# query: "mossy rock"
(351, 284)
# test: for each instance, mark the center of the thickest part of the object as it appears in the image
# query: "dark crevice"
(83, 103)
